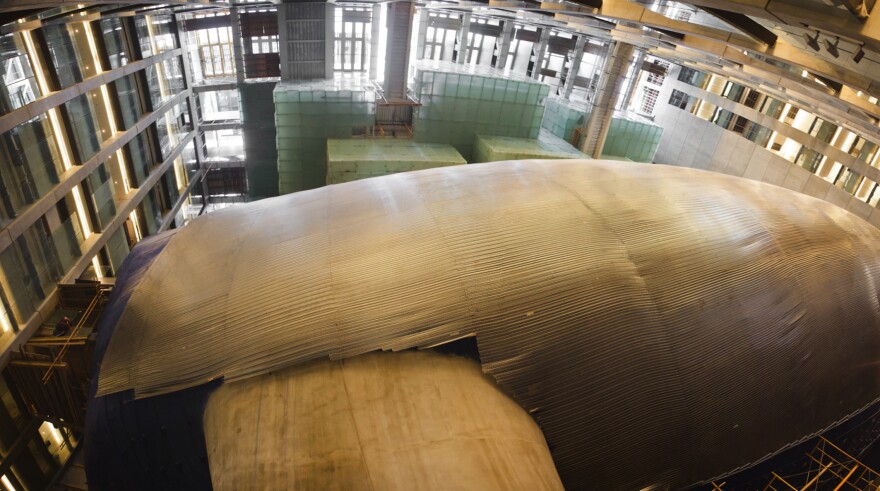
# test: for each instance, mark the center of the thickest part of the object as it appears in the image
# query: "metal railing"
(59, 357)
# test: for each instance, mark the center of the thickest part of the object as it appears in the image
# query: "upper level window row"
(834, 172)
(19, 83)
(34, 63)
(805, 121)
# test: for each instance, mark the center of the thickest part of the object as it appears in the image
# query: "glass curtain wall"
(19, 84)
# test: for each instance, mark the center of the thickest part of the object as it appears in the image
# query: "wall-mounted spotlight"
(832, 48)
(812, 42)
(859, 54)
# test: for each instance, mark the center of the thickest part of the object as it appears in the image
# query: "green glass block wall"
(458, 106)
(306, 115)
(561, 119)
(350, 160)
(630, 137)
(547, 146)
(258, 131)
(635, 140)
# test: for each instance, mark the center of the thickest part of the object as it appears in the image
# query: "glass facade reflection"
(165, 81)
(30, 164)
(36, 260)
(19, 83)
(129, 103)
(59, 204)
(66, 58)
(155, 34)
(141, 158)
(171, 127)
(87, 135)
(102, 194)
(114, 42)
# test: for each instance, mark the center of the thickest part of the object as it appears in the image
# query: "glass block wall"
(259, 136)
(306, 115)
(547, 146)
(350, 160)
(630, 137)
(561, 119)
(458, 106)
(634, 139)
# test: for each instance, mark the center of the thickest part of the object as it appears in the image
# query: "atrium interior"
(123, 122)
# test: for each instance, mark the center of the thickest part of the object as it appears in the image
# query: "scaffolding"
(828, 467)
(52, 374)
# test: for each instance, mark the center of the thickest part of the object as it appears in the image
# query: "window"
(649, 99)
(848, 181)
(655, 77)
(751, 98)
(679, 99)
(772, 107)
(823, 130)
(264, 44)
(808, 159)
(215, 51)
(862, 149)
(865, 189)
(692, 77)
(830, 171)
(352, 40)
(440, 36)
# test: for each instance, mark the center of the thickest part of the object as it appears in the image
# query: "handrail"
(67, 342)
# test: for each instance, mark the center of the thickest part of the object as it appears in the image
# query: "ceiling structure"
(823, 54)
(761, 44)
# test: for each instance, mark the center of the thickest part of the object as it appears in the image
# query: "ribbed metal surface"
(664, 325)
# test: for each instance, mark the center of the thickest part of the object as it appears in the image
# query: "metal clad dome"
(663, 325)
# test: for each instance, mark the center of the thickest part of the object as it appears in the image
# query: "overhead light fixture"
(832, 48)
(812, 42)
(859, 54)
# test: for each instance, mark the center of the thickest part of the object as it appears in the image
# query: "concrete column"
(463, 38)
(596, 128)
(283, 49)
(375, 33)
(380, 421)
(575, 66)
(504, 42)
(237, 52)
(634, 81)
(400, 20)
(540, 51)
(329, 39)
(423, 34)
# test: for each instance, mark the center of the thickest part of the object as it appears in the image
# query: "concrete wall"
(689, 141)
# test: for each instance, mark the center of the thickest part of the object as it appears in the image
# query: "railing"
(67, 343)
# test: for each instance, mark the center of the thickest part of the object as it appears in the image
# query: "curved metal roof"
(663, 325)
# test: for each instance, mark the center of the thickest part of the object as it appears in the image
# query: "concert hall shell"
(663, 326)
